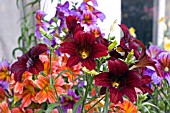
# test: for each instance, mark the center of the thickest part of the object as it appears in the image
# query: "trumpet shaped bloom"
(83, 49)
(120, 81)
(45, 93)
(4, 71)
(4, 108)
(29, 62)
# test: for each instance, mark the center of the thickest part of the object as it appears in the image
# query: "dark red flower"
(83, 49)
(29, 62)
(120, 81)
(73, 26)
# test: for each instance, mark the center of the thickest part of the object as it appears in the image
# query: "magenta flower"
(39, 16)
(120, 81)
(29, 62)
(83, 49)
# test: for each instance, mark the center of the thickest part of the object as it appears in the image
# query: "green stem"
(95, 104)
(51, 79)
(86, 92)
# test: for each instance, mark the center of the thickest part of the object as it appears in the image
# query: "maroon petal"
(36, 67)
(145, 89)
(115, 95)
(146, 79)
(134, 79)
(130, 93)
(84, 38)
(18, 68)
(68, 47)
(117, 67)
(89, 63)
(102, 79)
(103, 90)
(99, 50)
(125, 30)
(73, 60)
(37, 50)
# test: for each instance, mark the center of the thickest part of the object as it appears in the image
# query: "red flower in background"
(29, 62)
(83, 49)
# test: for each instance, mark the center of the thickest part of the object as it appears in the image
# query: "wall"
(9, 28)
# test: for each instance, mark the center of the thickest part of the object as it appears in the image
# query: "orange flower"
(95, 108)
(2, 95)
(18, 86)
(59, 83)
(21, 110)
(125, 107)
(4, 71)
(73, 70)
(45, 93)
(4, 108)
(28, 94)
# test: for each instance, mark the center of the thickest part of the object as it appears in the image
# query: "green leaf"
(76, 105)
(14, 51)
(65, 95)
(64, 71)
(150, 104)
(106, 105)
(17, 3)
(41, 111)
(130, 58)
(50, 107)
(112, 45)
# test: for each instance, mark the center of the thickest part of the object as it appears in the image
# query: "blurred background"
(149, 20)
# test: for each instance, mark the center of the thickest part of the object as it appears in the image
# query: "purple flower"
(86, 7)
(164, 65)
(153, 51)
(162, 59)
(68, 103)
(39, 16)
(4, 70)
(61, 13)
(4, 85)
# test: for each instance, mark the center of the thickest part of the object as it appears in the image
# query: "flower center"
(29, 62)
(166, 69)
(115, 84)
(84, 52)
(84, 55)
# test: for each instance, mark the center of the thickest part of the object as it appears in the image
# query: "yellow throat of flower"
(115, 84)
(84, 54)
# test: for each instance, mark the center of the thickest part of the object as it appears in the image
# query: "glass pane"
(139, 14)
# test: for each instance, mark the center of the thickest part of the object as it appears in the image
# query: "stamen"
(115, 84)
(84, 55)
(166, 69)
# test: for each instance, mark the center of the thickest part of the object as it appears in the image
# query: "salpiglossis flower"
(68, 103)
(45, 93)
(5, 71)
(83, 49)
(4, 108)
(39, 16)
(120, 81)
(125, 107)
(29, 62)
